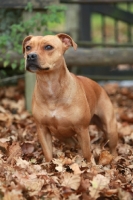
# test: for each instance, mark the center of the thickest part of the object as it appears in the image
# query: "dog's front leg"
(84, 141)
(45, 140)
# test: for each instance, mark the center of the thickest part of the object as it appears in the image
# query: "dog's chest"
(61, 116)
(62, 123)
(62, 120)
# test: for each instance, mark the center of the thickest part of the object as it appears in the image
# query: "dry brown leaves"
(24, 174)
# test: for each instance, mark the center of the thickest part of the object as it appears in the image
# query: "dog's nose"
(31, 56)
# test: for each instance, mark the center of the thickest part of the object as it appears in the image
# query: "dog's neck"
(50, 85)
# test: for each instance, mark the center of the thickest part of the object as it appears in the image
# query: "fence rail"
(99, 57)
(21, 4)
(95, 1)
(91, 57)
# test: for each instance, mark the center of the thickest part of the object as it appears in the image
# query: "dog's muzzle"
(31, 64)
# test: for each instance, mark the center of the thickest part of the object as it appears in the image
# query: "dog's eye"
(28, 48)
(48, 47)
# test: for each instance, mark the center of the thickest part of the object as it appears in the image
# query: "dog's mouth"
(47, 68)
(34, 68)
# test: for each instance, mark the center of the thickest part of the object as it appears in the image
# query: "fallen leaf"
(129, 139)
(123, 195)
(85, 184)
(14, 195)
(80, 161)
(22, 163)
(75, 168)
(124, 149)
(2, 109)
(99, 182)
(14, 153)
(105, 158)
(67, 161)
(33, 185)
(3, 146)
(74, 197)
(124, 131)
(110, 192)
(59, 164)
(71, 180)
(6, 118)
(59, 168)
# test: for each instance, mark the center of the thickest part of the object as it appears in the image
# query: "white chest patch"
(53, 113)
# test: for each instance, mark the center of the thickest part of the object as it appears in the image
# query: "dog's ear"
(25, 40)
(67, 41)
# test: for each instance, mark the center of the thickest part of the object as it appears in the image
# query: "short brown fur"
(64, 104)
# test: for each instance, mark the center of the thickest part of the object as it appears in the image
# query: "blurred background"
(103, 30)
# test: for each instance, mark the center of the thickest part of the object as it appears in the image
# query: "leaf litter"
(24, 174)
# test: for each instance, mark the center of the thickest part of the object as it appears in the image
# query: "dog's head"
(45, 53)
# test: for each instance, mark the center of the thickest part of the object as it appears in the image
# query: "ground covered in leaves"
(24, 174)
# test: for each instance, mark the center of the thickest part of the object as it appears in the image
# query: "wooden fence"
(105, 52)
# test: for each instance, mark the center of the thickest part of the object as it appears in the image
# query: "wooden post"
(72, 25)
(72, 20)
(29, 87)
(85, 23)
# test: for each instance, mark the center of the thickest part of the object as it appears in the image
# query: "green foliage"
(15, 29)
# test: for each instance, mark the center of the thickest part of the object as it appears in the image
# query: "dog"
(64, 104)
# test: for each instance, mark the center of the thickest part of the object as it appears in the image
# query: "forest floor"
(24, 174)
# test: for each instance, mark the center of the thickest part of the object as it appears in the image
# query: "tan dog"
(64, 104)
